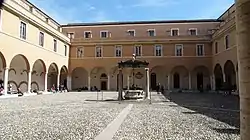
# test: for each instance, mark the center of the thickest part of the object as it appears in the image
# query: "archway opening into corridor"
(18, 73)
(52, 76)
(96, 80)
(38, 75)
(180, 77)
(153, 81)
(104, 80)
(218, 77)
(201, 78)
(2, 67)
(63, 76)
(79, 79)
(230, 75)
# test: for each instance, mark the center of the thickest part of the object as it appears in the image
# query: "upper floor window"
(193, 31)
(118, 51)
(55, 45)
(138, 50)
(131, 32)
(23, 30)
(216, 47)
(65, 50)
(151, 32)
(79, 52)
(87, 34)
(71, 35)
(158, 50)
(174, 32)
(199, 49)
(98, 51)
(41, 38)
(178, 50)
(104, 34)
(227, 41)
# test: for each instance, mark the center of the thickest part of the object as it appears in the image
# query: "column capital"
(147, 69)
(6, 68)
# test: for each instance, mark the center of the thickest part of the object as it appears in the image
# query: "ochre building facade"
(183, 54)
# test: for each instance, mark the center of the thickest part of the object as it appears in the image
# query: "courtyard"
(78, 115)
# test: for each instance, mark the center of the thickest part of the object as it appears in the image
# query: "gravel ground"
(56, 116)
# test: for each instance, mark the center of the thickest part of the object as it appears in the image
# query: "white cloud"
(154, 3)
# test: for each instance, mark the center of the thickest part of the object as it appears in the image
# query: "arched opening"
(52, 76)
(230, 74)
(201, 78)
(153, 81)
(63, 76)
(96, 81)
(176, 81)
(103, 79)
(2, 66)
(218, 77)
(159, 76)
(38, 75)
(79, 78)
(18, 72)
(180, 77)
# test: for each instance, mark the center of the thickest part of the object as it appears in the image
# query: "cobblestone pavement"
(80, 116)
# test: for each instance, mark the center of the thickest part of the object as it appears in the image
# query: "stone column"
(45, 82)
(243, 49)
(69, 80)
(237, 80)
(169, 81)
(58, 81)
(189, 81)
(128, 82)
(6, 79)
(120, 85)
(108, 81)
(29, 81)
(89, 81)
(224, 77)
(212, 82)
(147, 84)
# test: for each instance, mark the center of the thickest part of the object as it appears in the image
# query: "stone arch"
(218, 76)
(19, 67)
(179, 77)
(158, 75)
(95, 77)
(79, 77)
(230, 74)
(63, 75)
(201, 78)
(52, 75)
(2, 68)
(38, 75)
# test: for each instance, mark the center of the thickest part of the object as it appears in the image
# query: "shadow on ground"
(216, 106)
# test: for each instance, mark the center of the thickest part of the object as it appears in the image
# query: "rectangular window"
(216, 47)
(23, 30)
(98, 50)
(178, 50)
(227, 41)
(193, 31)
(79, 52)
(71, 35)
(174, 32)
(41, 38)
(87, 34)
(158, 50)
(137, 50)
(65, 50)
(200, 50)
(55, 45)
(131, 32)
(118, 51)
(104, 34)
(151, 32)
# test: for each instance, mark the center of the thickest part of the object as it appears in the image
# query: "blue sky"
(72, 11)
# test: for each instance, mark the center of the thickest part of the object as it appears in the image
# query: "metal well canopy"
(133, 64)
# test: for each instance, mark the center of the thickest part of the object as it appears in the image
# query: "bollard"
(97, 96)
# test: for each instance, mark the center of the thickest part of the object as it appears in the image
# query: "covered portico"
(133, 65)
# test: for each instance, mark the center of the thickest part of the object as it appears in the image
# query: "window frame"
(96, 51)
(41, 43)
(107, 33)
(155, 46)
(65, 50)
(136, 49)
(55, 45)
(87, 32)
(20, 35)
(77, 52)
(226, 42)
(182, 48)
(71, 33)
(178, 31)
(197, 49)
(151, 30)
(216, 49)
(196, 31)
(116, 46)
(133, 30)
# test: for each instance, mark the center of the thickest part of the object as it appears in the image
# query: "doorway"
(176, 80)
(200, 81)
(153, 81)
(103, 85)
